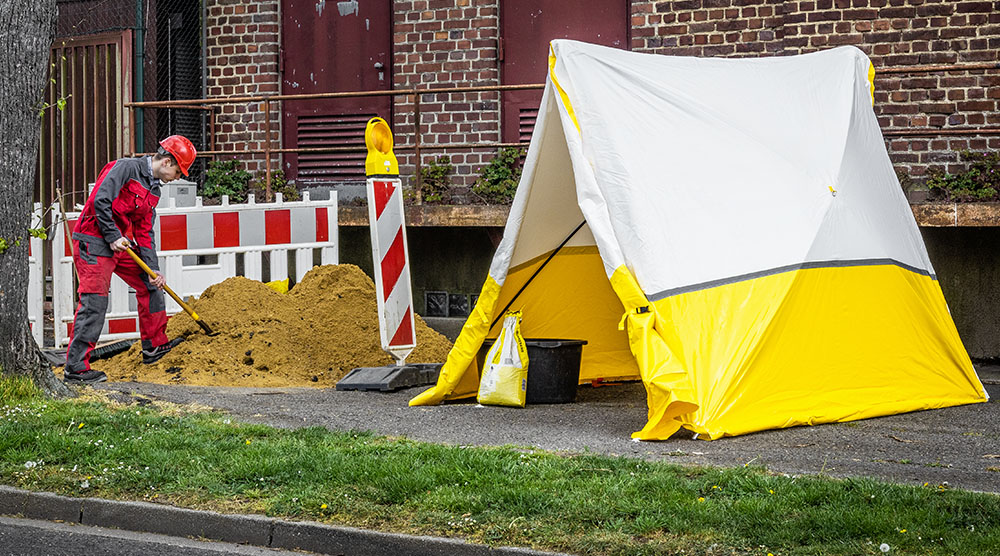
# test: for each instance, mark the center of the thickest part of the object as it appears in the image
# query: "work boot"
(153, 355)
(85, 377)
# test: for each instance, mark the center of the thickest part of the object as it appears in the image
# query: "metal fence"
(108, 53)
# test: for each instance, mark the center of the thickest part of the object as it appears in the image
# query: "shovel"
(187, 308)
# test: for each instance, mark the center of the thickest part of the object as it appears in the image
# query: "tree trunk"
(26, 30)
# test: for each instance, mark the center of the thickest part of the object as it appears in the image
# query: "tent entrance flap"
(549, 258)
(573, 300)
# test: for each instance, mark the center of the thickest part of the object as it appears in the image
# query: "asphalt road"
(956, 446)
(29, 537)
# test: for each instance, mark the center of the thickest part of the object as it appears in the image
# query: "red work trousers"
(95, 273)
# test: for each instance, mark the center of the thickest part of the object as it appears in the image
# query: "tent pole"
(511, 302)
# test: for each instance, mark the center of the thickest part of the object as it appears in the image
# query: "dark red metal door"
(333, 47)
(525, 31)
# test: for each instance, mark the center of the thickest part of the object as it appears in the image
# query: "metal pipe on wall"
(267, 149)
(416, 144)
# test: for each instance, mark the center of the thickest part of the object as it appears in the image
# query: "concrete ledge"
(956, 214)
(934, 214)
(977, 214)
(435, 215)
(178, 522)
(242, 529)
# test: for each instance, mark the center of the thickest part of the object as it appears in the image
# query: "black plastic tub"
(553, 368)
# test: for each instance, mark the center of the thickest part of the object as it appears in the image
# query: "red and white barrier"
(203, 245)
(392, 270)
(36, 280)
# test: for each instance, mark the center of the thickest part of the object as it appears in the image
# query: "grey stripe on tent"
(252, 227)
(200, 231)
(303, 223)
(807, 265)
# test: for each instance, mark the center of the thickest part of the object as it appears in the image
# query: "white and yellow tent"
(745, 248)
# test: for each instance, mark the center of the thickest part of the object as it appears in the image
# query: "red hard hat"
(182, 150)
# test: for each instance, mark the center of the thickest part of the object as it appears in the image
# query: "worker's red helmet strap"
(182, 150)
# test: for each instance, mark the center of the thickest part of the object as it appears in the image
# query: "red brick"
(967, 7)
(860, 14)
(904, 12)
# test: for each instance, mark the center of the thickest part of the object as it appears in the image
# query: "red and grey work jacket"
(122, 204)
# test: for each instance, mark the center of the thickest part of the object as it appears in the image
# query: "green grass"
(583, 504)
(18, 389)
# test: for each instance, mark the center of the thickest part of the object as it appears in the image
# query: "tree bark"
(26, 31)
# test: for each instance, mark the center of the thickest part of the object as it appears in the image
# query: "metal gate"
(90, 80)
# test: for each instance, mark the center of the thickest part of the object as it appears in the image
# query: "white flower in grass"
(884, 547)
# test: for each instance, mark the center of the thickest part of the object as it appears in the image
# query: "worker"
(119, 213)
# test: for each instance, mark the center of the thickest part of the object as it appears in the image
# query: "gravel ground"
(956, 446)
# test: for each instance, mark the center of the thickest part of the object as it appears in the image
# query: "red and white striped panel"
(226, 226)
(392, 268)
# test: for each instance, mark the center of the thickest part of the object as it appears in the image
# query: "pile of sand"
(326, 325)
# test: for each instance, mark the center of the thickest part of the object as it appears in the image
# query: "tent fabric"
(746, 251)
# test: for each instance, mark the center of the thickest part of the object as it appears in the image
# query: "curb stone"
(146, 517)
(43, 505)
(177, 522)
(12, 501)
(359, 542)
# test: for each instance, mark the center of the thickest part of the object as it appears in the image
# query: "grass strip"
(583, 504)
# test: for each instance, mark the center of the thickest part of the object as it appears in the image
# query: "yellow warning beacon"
(380, 160)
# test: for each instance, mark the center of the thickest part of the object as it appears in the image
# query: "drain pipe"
(139, 47)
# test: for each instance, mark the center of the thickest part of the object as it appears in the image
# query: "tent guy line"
(528, 281)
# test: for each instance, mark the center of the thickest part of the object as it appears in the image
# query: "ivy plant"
(226, 177)
(979, 182)
(279, 184)
(498, 180)
(435, 179)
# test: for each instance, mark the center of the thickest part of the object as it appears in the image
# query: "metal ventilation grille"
(333, 130)
(526, 123)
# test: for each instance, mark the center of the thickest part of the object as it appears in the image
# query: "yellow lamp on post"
(390, 257)
(381, 161)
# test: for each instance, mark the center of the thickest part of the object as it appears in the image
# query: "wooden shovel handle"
(187, 308)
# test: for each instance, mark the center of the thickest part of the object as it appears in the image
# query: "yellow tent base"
(810, 346)
(800, 347)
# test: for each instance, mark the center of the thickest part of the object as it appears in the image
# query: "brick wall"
(447, 43)
(242, 59)
(708, 27)
(439, 43)
(894, 33)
